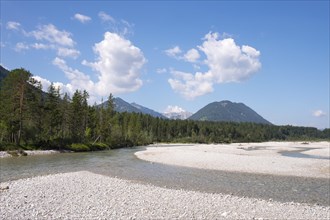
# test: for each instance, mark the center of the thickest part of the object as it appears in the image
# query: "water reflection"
(298, 154)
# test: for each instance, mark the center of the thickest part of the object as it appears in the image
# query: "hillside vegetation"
(228, 111)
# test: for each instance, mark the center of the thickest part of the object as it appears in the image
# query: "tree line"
(33, 119)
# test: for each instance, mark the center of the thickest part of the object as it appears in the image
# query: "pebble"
(85, 195)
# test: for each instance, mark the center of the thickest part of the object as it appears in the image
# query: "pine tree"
(16, 96)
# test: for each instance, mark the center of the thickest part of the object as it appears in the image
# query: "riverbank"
(5, 154)
(275, 158)
(85, 195)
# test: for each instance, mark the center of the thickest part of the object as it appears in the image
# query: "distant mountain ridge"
(123, 106)
(229, 112)
(148, 111)
(3, 73)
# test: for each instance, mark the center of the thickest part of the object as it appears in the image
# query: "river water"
(122, 163)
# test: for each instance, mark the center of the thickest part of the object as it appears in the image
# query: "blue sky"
(273, 56)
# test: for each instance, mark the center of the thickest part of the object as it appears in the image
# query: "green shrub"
(8, 146)
(98, 146)
(79, 147)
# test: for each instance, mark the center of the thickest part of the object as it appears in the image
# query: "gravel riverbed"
(85, 195)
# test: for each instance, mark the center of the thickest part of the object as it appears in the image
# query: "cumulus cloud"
(82, 18)
(51, 34)
(118, 65)
(78, 80)
(319, 113)
(45, 83)
(191, 55)
(226, 62)
(12, 25)
(190, 85)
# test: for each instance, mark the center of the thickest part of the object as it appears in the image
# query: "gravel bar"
(85, 195)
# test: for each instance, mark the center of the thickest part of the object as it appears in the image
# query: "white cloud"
(189, 85)
(126, 28)
(319, 113)
(49, 37)
(173, 52)
(58, 85)
(250, 51)
(68, 52)
(191, 56)
(40, 46)
(45, 83)
(78, 80)
(105, 17)
(82, 18)
(21, 46)
(226, 62)
(51, 34)
(12, 25)
(118, 65)
(120, 26)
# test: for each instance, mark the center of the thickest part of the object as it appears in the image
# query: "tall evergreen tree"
(16, 95)
(76, 122)
(53, 117)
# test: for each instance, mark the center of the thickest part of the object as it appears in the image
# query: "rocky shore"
(85, 195)
(5, 154)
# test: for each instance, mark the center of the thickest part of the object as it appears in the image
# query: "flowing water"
(123, 164)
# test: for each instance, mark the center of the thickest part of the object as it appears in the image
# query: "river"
(122, 163)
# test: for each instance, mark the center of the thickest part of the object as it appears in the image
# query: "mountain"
(147, 111)
(3, 73)
(175, 112)
(123, 106)
(228, 111)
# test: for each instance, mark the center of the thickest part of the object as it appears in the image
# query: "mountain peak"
(228, 111)
(224, 103)
(176, 112)
(147, 111)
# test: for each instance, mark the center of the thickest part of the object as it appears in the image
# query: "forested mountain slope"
(228, 111)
